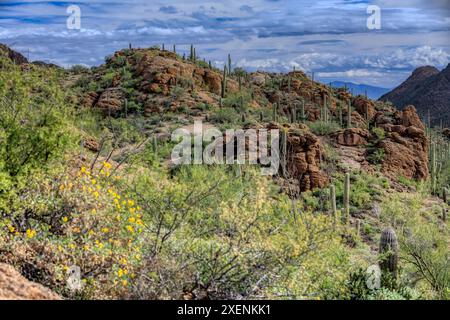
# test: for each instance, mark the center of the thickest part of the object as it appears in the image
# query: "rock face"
(405, 146)
(352, 137)
(363, 106)
(304, 155)
(428, 90)
(110, 101)
(13, 286)
(162, 71)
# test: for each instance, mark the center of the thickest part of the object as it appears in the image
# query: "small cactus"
(261, 117)
(389, 252)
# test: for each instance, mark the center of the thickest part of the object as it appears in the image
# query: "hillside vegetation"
(86, 181)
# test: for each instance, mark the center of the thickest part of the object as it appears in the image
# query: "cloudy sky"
(329, 37)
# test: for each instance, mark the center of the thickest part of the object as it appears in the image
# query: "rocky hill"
(162, 82)
(428, 89)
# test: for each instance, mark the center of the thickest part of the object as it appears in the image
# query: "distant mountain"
(372, 92)
(428, 90)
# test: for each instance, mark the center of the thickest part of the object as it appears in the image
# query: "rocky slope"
(13, 286)
(428, 90)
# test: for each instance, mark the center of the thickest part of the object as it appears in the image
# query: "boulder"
(13, 286)
(352, 137)
(110, 101)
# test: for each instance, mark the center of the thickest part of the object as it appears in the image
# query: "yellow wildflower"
(12, 229)
(31, 233)
(65, 219)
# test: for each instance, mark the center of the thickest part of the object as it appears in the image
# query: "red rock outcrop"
(110, 101)
(405, 146)
(352, 137)
(13, 286)
(304, 155)
(363, 106)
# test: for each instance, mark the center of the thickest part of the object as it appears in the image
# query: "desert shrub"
(33, 126)
(375, 155)
(323, 128)
(225, 115)
(379, 133)
(79, 69)
(77, 218)
(423, 243)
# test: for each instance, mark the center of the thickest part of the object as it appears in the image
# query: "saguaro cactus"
(155, 144)
(274, 111)
(349, 115)
(347, 197)
(389, 252)
(333, 202)
(283, 152)
(229, 64)
(224, 82)
(433, 168)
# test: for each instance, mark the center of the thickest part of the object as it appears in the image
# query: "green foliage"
(323, 128)
(33, 126)
(225, 115)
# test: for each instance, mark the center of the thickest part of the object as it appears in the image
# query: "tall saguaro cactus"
(224, 82)
(349, 114)
(347, 197)
(333, 202)
(433, 168)
(283, 152)
(389, 252)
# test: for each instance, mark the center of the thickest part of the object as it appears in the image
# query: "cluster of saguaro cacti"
(389, 252)
(193, 54)
(324, 111)
(303, 115)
